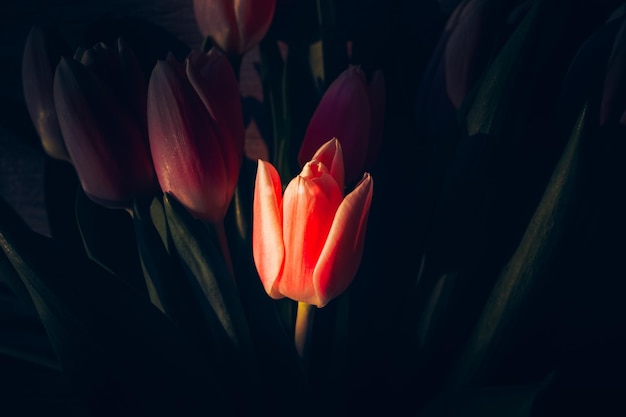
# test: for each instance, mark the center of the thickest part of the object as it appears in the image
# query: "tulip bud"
(196, 134)
(106, 139)
(235, 26)
(308, 243)
(344, 112)
(42, 52)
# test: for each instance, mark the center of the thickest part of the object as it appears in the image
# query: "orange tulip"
(308, 243)
(195, 125)
(235, 26)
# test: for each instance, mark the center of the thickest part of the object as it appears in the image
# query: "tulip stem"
(304, 330)
(223, 242)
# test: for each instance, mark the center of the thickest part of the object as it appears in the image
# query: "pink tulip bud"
(308, 243)
(42, 52)
(235, 26)
(196, 132)
(343, 113)
(106, 140)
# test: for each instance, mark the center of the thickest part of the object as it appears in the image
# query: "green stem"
(304, 330)
(223, 242)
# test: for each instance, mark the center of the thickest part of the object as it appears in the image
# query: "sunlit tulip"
(308, 243)
(97, 102)
(345, 112)
(196, 131)
(234, 26)
(42, 52)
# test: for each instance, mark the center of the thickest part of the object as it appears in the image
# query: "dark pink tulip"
(42, 52)
(344, 112)
(105, 138)
(235, 26)
(196, 134)
(308, 242)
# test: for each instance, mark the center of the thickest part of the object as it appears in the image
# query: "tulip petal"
(42, 51)
(309, 205)
(331, 156)
(267, 232)
(344, 113)
(341, 256)
(217, 19)
(214, 80)
(253, 21)
(107, 146)
(186, 154)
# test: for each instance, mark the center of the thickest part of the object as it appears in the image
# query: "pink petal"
(267, 231)
(343, 113)
(341, 256)
(215, 82)
(185, 150)
(253, 19)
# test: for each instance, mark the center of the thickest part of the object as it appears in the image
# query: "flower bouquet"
(431, 224)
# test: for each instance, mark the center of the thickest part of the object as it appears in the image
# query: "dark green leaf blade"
(116, 348)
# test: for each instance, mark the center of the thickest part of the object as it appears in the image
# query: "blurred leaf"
(60, 187)
(169, 290)
(109, 240)
(510, 401)
(512, 294)
(198, 248)
(116, 348)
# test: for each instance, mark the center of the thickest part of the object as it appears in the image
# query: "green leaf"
(109, 240)
(198, 248)
(515, 289)
(164, 275)
(118, 350)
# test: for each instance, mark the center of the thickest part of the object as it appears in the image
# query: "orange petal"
(341, 256)
(309, 206)
(331, 155)
(267, 231)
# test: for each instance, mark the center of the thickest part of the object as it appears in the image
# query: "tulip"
(195, 125)
(307, 244)
(42, 52)
(105, 136)
(234, 26)
(346, 112)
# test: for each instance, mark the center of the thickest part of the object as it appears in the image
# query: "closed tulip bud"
(344, 112)
(42, 52)
(308, 243)
(195, 126)
(234, 26)
(105, 138)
